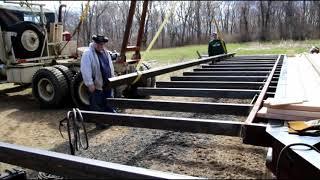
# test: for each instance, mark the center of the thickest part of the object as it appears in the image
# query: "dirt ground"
(23, 122)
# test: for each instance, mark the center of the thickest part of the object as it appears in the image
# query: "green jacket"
(217, 47)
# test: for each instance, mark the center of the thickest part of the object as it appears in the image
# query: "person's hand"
(91, 88)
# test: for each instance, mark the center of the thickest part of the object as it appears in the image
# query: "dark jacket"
(216, 47)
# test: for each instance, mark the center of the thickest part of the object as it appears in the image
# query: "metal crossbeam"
(234, 69)
(237, 65)
(198, 107)
(75, 167)
(129, 78)
(208, 126)
(218, 78)
(246, 61)
(192, 92)
(264, 57)
(226, 73)
(210, 84)
(240, 63)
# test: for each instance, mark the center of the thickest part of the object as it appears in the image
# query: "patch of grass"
(178, 54)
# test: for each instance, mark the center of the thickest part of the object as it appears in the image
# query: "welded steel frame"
(78, 167)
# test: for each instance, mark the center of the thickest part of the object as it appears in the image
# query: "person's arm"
(86, 71)
(209, 50)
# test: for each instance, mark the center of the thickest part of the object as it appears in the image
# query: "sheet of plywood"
(298, 80)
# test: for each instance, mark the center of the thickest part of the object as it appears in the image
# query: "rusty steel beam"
(129, 78)
(210, 84)
(198, 107)
(194, 92)
(127, 30)
(141, 29)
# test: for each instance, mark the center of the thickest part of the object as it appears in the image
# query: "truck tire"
(79, 92)
(49, 87)
(29, 40)
(68, 75)
(131, 90)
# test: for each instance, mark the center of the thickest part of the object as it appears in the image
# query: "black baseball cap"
(99, 39)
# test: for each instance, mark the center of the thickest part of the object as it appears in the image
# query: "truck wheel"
(49, 87)
(68, 75)
(79, 92)
(29, 40)
(131, 90)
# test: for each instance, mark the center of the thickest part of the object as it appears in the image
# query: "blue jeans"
(98, 101)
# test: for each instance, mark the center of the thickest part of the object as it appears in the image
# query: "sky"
(54, 5)
(73, 5)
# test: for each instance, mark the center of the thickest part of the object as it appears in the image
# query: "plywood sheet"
(298, 79)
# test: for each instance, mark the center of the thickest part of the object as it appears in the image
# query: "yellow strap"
(85, 11)
(169, 13)
(219, 34)
(138, 77)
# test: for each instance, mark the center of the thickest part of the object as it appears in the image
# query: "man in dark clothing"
(216, 46)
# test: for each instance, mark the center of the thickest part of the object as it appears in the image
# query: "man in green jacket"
(216, 46)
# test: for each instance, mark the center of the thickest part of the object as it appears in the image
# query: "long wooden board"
(305, 106)
(263, 113)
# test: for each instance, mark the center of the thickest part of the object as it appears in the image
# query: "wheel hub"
(49, 88)
(45, 89)
(83, 94)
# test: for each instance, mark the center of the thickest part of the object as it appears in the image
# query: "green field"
(178, 54)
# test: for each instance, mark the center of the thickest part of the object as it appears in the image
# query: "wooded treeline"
(192, 21)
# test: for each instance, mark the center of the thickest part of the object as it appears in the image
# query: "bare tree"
(192, 21)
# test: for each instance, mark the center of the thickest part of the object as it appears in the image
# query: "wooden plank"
(311, 114)
(285, 101)
(305, 106)
(262, 113)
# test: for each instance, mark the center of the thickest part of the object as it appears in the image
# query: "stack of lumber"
(289, 109)
(297, 97)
